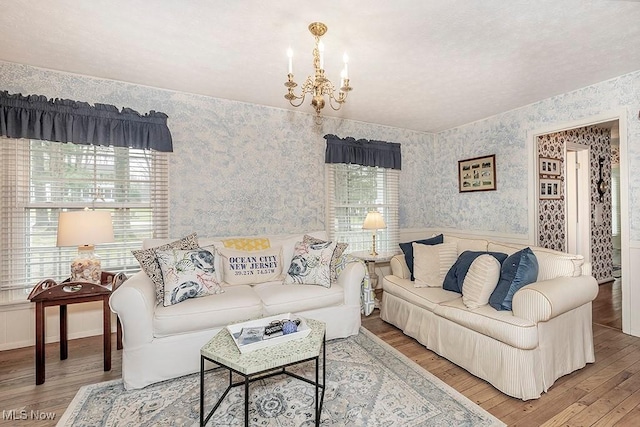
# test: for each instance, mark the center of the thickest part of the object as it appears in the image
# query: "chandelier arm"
(339, 101)
(301, 98)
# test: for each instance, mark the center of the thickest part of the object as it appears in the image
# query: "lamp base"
(86, 267)
(373, 246)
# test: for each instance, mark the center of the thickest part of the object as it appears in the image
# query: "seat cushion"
(500, 325)
(278, 298)
(422, 297)
(237, 303)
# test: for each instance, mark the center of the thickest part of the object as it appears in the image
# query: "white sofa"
(521, 352)
(164, 342)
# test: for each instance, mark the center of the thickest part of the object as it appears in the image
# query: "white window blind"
(354, 190)
(38, 179)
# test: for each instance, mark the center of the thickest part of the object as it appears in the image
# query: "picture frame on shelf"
(477, 174)
(550, 189)
(549, 167)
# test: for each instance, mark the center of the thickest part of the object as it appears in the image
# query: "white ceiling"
(426, 65)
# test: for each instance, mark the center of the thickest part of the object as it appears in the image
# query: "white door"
(578, 200)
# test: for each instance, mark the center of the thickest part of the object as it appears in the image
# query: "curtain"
(64, 120)
(363, 152)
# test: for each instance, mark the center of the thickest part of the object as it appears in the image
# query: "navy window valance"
(363, 152)
(64, 120)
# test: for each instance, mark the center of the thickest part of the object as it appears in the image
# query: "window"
(354, 190)
(38, 179)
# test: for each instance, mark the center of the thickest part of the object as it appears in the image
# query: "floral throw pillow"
(340, 247)
(188, 274)
(149, 263)
(311, 264)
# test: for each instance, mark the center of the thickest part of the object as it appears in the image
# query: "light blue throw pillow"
(518, 270)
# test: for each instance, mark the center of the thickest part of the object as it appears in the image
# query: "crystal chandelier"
(318, 85)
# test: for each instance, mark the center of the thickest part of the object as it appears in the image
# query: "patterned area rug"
(368, 384)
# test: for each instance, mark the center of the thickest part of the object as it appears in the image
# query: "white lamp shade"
(374, 221)
(78, 228)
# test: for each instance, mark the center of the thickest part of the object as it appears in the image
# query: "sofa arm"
(399, 267)
(350, 279)
(541, 301)
(134, 302)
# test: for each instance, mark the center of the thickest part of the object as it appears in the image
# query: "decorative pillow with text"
(249, 267)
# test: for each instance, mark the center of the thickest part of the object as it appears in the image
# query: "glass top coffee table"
(263, 363)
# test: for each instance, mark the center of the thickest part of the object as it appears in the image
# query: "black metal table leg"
(201, 391)
(246, 401)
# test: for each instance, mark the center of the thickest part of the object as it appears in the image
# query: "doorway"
(607, 210)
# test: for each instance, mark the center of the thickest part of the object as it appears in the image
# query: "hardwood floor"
(607, 308)
(605, 393)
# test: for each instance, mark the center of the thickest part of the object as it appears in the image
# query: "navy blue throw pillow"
(518, 270)
(407, 248)
(455, 276)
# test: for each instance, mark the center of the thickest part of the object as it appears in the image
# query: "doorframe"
(583, 154)
(621, 115)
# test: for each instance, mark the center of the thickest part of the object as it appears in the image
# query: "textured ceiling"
(426, 65)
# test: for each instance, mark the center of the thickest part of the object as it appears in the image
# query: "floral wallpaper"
(507, 135)
(238, 168)
(248, 169)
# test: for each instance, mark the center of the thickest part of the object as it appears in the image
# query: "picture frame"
(477, 174)
(550, 189)
(549, 167)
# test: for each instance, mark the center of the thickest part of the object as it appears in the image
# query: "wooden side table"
(48, 293)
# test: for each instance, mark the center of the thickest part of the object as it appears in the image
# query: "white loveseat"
(521, 352)
(161, 342)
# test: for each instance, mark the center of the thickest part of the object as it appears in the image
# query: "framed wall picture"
(550, 188)
(477, 174)
(549, 167)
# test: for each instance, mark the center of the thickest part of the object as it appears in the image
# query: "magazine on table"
(250, 335)
(253, 334)
(260, 333)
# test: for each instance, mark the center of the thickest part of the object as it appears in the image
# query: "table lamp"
(373, 222)
(85, 229)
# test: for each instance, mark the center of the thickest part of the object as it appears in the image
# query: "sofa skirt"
(565, 344)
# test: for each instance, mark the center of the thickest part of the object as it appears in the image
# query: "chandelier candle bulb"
(290, 55)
